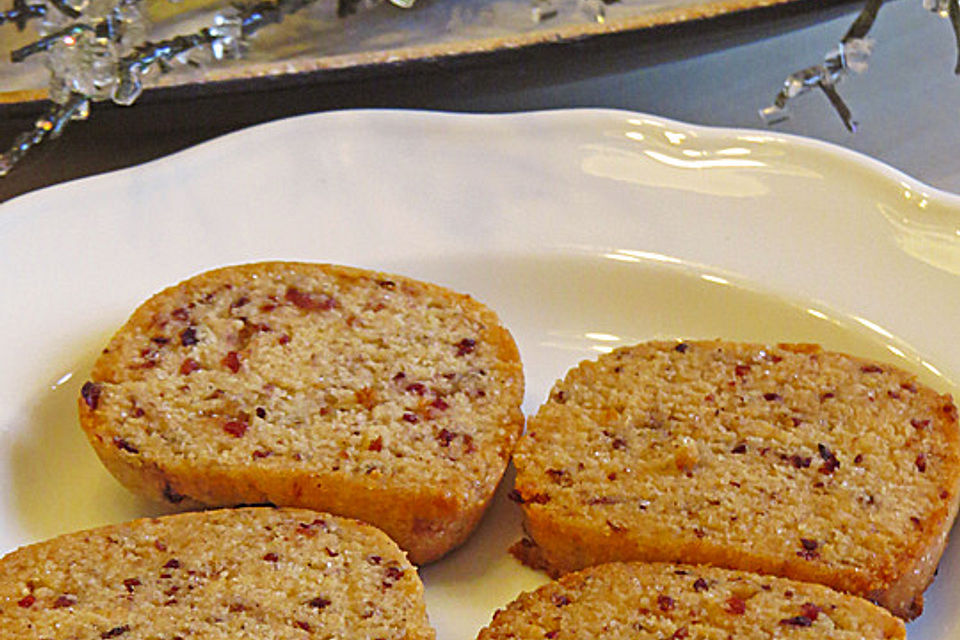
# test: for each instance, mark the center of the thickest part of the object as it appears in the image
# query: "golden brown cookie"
(785, 460)
(219, 575)
(639, 601)
(364, 394)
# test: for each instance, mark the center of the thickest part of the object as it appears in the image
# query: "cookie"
(363, 394)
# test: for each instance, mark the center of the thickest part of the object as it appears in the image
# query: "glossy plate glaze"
(583, 229)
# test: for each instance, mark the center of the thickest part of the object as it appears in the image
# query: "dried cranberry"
(271, 557)
(665, 603)
(871, 368)
(26, 602)
(810, 549)
(797, 621)
(465, 346)
(236, 428)
(682, 347)
(536, 498)
(810, 610)
(115, 632)
(921, 462)
(189, 366)
(309, 301)
(309, 529)
(700, 585)
(90, 392)
(376, 445)
(831, 463)
(188, 337)
(394, 573)
(557, 475)
(123, 445)
(736, 605)
(318, 603)
(231, 361)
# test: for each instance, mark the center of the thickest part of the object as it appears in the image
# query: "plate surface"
(582, 229)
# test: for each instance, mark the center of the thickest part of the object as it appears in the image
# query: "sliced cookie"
(359, 393)
(236, 573)
(786, 460)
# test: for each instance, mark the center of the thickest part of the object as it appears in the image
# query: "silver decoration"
(594, 10)
(97, 50)
(542, 10)
(227, 31)
(851, 55)
(941, 7)
(129, 86)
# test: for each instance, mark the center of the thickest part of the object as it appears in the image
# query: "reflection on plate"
(583, 229)
(316, 40)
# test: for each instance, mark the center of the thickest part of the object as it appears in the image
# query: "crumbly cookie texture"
(655, 601)
(363, 394)
(226, 574)
(786, 460)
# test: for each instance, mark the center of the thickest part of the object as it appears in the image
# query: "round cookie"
(641, 601)
(364, 394)
(786, 460)
(242, 573)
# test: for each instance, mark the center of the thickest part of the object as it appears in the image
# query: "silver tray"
(316, 42)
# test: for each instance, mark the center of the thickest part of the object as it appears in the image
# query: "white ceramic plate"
(583, 229)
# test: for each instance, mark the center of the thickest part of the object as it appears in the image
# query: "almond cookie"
(657, 601)
(218, 575)
(363, 394)
(786, 460)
